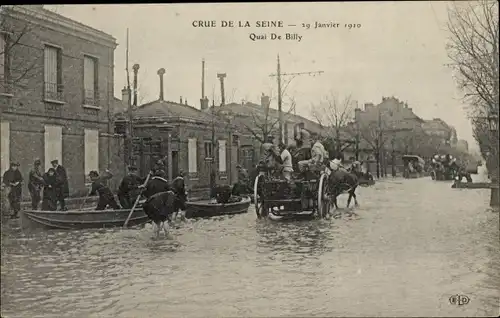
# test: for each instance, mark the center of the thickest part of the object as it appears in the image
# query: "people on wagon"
(13, 179)
(35, 184)
(129, 188)
(318, 155)
(106, 197)
(285, 159)
(62, 186)
(49, 198)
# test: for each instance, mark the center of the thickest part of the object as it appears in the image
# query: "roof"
(249, 109)
(161, 109)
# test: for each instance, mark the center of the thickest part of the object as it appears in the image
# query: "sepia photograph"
(250, 159)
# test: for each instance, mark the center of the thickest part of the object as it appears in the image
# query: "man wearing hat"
(62, 186)
(106, 197)
(318, 154)
(129, 188)
(13, 179)
(35, 184)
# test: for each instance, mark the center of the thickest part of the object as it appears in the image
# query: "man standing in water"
(36, 183)
(13, 179)
(62, 186)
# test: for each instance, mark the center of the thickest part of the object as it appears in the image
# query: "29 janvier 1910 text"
(272, 24)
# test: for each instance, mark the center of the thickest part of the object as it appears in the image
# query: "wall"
(27, 111)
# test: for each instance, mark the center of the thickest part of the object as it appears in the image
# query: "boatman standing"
(106, 197)
(62, 186)
(129, 188)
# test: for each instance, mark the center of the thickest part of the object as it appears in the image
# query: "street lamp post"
(493, 158)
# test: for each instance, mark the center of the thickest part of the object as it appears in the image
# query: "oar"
(136, 201)
(84, 200)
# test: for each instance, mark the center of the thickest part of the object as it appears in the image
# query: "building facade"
(181, 136)
(57, 93)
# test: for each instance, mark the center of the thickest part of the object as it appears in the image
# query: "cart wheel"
(258, 202)
(433, 175)
(323, 197)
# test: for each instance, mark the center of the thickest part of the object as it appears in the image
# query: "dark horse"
(160, 207)
(341, 181)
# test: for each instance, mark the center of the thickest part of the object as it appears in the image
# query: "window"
(222, 156)
(53, 145)
(4, 63)
(91, 148)
(192, 156)
(5, 146)
(52, 73)
(90, 81)
(208, 149)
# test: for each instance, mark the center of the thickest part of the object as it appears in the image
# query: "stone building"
(56, 93)
(181, 136)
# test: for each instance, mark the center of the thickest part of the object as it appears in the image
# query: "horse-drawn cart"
(300, 196)
(413, 166)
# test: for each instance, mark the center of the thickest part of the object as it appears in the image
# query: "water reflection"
(311, 238)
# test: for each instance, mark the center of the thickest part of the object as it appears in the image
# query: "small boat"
(471, 185)
(204, 208)
(81, 219)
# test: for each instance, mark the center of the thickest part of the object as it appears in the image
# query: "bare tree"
(332, 115)
(473, 48)
(19, 61)
(266, 123)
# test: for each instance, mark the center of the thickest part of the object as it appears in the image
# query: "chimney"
(357, 114)
(125, 98)
(160, 73)
(204, 103)
(369, 105)
(136, 69)
(264, 101)
(180, 102)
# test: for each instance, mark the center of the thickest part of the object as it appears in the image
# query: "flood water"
(413, 244)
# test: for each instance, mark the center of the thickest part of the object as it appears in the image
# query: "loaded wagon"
(303, 195)
(413, 166)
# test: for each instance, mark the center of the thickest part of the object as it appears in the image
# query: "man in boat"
(242, 186)
(129, 188)
(318, 155)
(35, 184)
(13, 179)
(62, 187)
(106, 197)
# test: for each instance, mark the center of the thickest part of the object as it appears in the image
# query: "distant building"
(462, 145)
(56, 93)
(439, 128)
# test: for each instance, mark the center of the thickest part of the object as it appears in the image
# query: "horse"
(159, 208)
(342, 181)
(156, 213)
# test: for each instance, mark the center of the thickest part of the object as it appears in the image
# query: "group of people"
(50, 187)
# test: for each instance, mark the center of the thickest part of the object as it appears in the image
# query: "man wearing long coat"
(62, 185)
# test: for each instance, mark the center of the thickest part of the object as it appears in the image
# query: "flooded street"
(413, 244)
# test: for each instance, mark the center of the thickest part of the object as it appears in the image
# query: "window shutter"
(222, 156)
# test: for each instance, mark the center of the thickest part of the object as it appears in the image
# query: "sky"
(396, 49)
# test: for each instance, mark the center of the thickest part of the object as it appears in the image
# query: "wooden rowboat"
(471, 185)
(203, 208)
(81, 219)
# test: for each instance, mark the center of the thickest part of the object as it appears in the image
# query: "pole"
(130, 116)
(280, 92)
(280, 111)
(212, 168)
(202, 78)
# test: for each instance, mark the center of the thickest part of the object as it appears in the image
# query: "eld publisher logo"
(459, 300)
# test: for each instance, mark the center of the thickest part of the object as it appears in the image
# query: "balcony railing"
(91, 97)
(53, 91)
